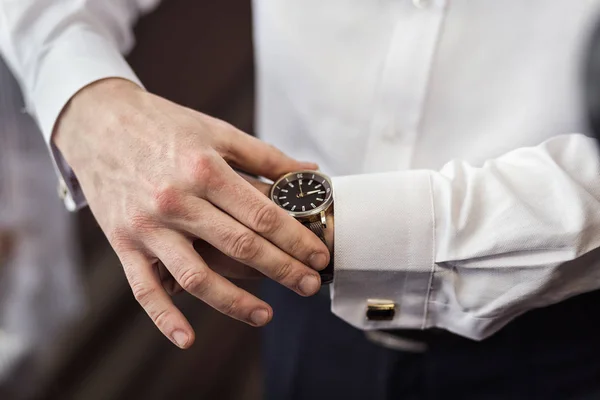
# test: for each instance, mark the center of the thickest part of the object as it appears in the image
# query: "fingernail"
(318, 261)
(309, 285)
(259, 317)
(181, 338)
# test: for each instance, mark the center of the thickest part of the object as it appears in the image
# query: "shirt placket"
(403, 85)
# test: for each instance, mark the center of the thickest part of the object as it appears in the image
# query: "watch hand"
(313, 192)
(300, 187)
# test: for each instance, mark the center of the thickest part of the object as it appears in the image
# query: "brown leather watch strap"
(317, 228)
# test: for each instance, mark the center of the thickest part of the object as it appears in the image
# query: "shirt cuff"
(79, 58)
(384, 247)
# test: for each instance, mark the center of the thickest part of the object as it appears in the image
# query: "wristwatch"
(306, 196)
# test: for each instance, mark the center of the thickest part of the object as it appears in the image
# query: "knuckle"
(266, 219)
(202, 168)
(232, 307)
(297, 245)
(244, 246)
(139, 221)
(194, 281)
(160, 318)
(283, 272)
(119, 238)
(167, 201)
(142, 293)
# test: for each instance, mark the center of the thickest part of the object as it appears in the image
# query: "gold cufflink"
(380, 310)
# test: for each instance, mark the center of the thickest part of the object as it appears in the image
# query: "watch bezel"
(309, 213)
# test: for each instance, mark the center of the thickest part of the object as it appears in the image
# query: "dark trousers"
(551, 353)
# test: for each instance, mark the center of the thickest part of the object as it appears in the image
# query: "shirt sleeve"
(469, 248)
(55, 48)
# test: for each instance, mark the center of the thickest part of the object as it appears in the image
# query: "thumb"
(256, 157)
(262, 187)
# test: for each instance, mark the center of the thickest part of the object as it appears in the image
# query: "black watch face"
(302, 193)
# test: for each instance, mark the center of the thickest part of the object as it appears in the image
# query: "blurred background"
(102, 345)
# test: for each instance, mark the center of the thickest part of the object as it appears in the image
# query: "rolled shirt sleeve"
(56, 48)
(468, 248)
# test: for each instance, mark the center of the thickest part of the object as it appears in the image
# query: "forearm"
(468, 249)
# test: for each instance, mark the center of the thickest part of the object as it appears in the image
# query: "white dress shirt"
(465, 189)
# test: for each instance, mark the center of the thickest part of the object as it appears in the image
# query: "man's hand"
(158, 176)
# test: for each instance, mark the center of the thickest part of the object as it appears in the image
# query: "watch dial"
(301, 192)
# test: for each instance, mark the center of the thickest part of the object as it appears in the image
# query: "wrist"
(95, 100)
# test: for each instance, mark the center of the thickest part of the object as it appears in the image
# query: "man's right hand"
(157, 176)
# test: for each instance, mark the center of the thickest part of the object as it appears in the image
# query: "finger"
(240, 243)
(194, 276)
(224, 265)
(241, 200)
(148, 291)
(257, 157)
